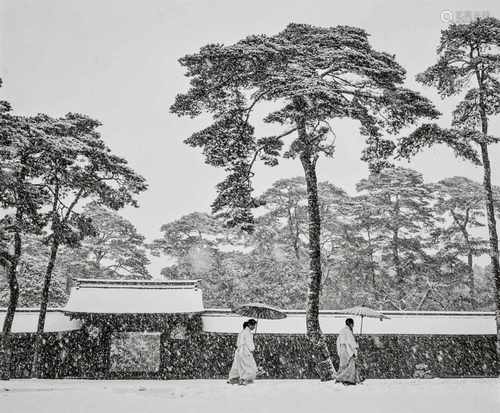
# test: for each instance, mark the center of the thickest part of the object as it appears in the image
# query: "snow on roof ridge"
(133, 298)
(136, 283)
(132, 281)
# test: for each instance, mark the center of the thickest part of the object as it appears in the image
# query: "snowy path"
(215, 396)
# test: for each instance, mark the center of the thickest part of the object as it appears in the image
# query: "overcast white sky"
(117, 61)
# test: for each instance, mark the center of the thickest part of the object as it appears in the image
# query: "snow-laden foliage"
(313, 75)
(48, 167)
(116, 251)
(397, 244)
(468, 64)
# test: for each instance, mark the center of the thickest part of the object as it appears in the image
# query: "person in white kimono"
(347, 349)
(244, 368)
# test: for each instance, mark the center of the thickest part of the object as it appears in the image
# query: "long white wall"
(26, 320)
(418, 323)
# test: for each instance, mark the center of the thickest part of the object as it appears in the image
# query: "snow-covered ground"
(215, 396)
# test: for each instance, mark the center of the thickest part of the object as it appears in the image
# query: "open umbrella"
(363, 312)
(259, 310)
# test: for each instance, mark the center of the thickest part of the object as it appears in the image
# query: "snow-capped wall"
(224, 321)
(26, 320)
(400, 322)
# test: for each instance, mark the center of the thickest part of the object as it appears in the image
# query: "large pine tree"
(468, 62)
(312, 75)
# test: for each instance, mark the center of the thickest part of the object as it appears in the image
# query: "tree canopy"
(312, 75)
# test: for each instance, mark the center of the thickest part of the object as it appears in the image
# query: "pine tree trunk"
(36, 370)
(470, 262)
(395, 257)
(324, 361)
(5, 338)
(490, 209)
(372, 261)
(397, 267)
(293, 234)
(472, 286)
(490, 213)
(5, 343)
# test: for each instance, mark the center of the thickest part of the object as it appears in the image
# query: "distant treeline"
(399, 243)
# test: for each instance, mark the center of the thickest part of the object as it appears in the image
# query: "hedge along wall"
(210, 355)
(64, 354)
